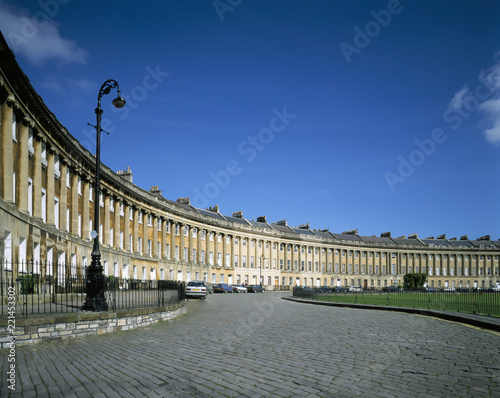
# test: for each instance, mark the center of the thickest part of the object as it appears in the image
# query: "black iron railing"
(473, 301)
(64, 292)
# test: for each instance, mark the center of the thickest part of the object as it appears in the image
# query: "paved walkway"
(256, 345)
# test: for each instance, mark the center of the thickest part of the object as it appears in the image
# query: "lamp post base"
(95, 300)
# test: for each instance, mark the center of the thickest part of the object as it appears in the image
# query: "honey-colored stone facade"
(47, 207)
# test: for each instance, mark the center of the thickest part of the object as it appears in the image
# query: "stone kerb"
(73, 325)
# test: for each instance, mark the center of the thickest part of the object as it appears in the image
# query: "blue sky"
(375, 115)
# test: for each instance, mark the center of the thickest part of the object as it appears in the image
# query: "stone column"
(23, 164)
(116, 225)
(155, 237)
(74, 203)
(37, 179)
(135, 233)
(163, 253)
(50, 187)
(63, 196)
(181, 243)
(199, 247)
(145, 233)
(190, 249)
(106, 224)
(224, 249)
(126, 227)
(172, 240)
(7, 146)
(86, 209)
(231, 251)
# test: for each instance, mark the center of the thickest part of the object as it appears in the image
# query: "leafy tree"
(415, 281)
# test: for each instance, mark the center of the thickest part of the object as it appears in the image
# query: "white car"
(355, 289)
(239, 289)
(196, 289)
(496, 288)
(449, 289)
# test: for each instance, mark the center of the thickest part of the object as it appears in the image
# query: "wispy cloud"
(458, 98)
(65, 85)
(38, 39)
(484, 98)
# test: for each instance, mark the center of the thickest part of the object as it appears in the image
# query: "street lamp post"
(95, 284)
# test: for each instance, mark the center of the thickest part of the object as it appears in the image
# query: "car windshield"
(195, 284)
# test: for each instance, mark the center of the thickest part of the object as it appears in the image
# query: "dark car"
(255, 289)
(324, 289)
(390, 289)
(431, 289)
(222, 288)
(339, 289)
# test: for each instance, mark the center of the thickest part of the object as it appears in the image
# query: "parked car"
(210, 288)
(390, 289)
(464, 290)
(496, 288)
(355, 289)
(324, 289)
(431, 289)
(222, 288)
(255, 289)
(196, 289)
(449, 289)
(339, 289)
(239, 289)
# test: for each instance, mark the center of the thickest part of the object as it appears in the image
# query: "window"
(130, 214)
(14, 127)
(36, 258)
(57, 169)
(150, 220)
(150, 248)
(50, 257)
(139, 216)
(44, 205)
(122, 209)
(31, 148)
(111, 205)
(121, 240)
(91, 193)
(30, 196)
(56, 212)
(186, 231)
(111, 237)
(22, 255)
(44, 154)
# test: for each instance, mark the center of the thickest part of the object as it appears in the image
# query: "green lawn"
(474, 303)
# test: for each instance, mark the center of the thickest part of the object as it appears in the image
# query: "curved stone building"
(47, 207)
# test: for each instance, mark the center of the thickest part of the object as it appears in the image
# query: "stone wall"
(64, 326)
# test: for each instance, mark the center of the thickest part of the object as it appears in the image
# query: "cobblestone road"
(256, 345)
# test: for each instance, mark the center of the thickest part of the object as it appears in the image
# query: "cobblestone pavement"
(256, 345)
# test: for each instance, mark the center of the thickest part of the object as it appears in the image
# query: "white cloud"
(37, 38)
(65, 85)
(457, 100)
(492, 110)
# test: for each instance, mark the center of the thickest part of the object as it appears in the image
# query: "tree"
(415, 281)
